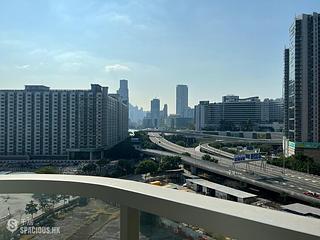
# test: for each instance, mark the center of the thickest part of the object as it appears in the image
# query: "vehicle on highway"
(312, 194)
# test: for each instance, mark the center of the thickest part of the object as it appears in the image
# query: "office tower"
(123, 90)
(155, 112)
(302, 87)
(165, 111)
(181, 100)
(39, 122)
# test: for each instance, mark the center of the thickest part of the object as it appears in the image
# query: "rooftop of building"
(302, 209)
(222, 188)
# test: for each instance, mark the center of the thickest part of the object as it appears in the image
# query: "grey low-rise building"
(220, 191)
(237, 112)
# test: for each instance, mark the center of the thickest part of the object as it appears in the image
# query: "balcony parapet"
(218, 216)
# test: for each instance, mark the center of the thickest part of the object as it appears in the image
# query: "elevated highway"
(276, 137)
(271, 178)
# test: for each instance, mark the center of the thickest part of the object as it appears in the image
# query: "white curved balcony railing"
(233, 219)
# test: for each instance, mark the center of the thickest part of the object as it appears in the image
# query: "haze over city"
(154, 44)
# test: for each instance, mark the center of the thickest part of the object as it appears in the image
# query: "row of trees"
(297, 162)
(207, 157)
(150, 166)
(123, 150)
(46, 203)
(145, 141)
(182, 140)
(265, 148)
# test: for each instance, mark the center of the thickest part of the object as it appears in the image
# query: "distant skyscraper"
(302, 87)
(155, 112)
(181, 100)
(123, 90)
(165, 111)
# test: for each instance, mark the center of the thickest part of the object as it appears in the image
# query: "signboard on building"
(312, 145)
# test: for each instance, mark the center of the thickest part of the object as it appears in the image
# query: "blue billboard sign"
(248, 156)
(239, 157)
(253, 156)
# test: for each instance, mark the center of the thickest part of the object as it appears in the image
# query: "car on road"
(312, 194)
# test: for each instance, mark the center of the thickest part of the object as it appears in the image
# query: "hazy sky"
(215, 47)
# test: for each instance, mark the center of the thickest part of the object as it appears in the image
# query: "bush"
(182, 141)
(146, 166)
(47, 170)
(186, 154)
(298, 162)
(89, 168)
(123, 150)
(206, 157)
(145, 141)
(169, 163)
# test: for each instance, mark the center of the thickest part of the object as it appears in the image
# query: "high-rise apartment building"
(302, 87)
(43, 123)
(124, 91)
(181, 100)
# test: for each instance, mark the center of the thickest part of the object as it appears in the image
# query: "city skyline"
(155, 45)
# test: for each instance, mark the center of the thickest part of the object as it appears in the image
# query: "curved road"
(292, 182)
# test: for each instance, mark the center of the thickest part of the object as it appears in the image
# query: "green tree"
(44, 202)
(89, 168)
(146, 166)
(124, 150)
(169, 163)
(181, 143)
(206, 157)
(31, 208)
(101, 163)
